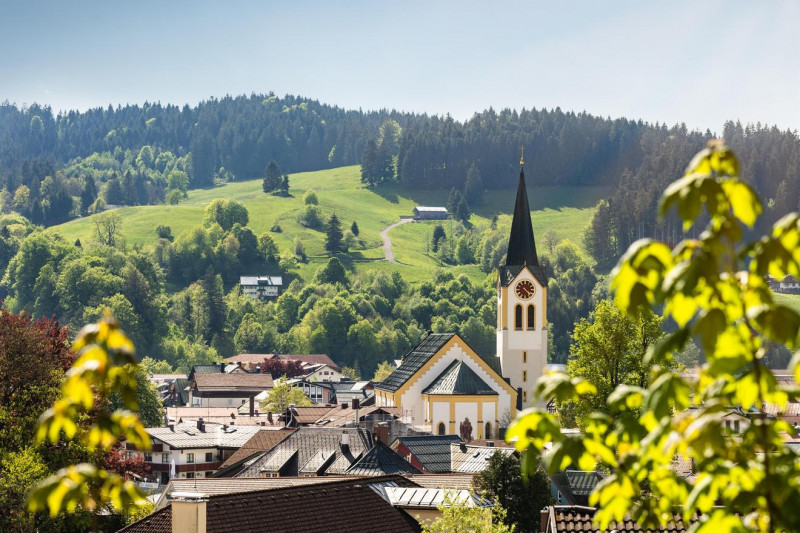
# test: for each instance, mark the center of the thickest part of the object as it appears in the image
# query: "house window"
(190, 475)
(524, 357)
(524, 396)
(518, 317)
(736, 426)
(488, 430)
(209, 456)
(189, 457)
(525, 376)
(441, 428)
(208, 474)
(164, 457)
(148, 457)
(531, 317)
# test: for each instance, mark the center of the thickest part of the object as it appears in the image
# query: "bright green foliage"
(151, 408)
(714, 288)
(226, 213)
(608, 350)
(153, 366)
(104, 367)
(282, 395)
(19, 472)
(461, 517)
(383, 371)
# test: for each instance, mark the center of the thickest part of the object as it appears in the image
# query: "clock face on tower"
(524, 289)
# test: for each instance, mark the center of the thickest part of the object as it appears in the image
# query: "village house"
(261, 287)
(430, 213)
(227, 390)
(191, 450)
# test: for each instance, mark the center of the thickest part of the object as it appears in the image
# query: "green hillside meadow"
(565, 209)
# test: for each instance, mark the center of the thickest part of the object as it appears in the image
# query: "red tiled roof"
(576, 518)
(313, 358)
(234, 381)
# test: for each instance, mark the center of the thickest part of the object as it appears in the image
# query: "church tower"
(522, 304)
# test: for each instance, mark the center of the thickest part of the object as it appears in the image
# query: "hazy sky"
(698, 62)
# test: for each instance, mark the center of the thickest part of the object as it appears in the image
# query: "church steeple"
(521, 244)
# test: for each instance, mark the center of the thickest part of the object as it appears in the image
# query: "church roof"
(415, 360)
(521, 244)
(459, 378)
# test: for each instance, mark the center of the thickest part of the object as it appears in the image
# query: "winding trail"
(387, 242)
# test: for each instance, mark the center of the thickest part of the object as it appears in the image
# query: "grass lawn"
(566, 209)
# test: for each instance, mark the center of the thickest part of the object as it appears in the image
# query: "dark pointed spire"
(521, 245)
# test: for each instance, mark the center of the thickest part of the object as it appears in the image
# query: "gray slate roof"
(459, 378)
(433, 451)
(381, 460)
(296, 450)
(415, 360)
(473, 459)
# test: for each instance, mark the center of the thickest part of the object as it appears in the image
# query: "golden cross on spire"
(522, 157)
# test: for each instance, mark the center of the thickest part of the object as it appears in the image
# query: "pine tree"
(462, 210)
(88, 194)
(272, 177)
(370, 163)
(284, 186)
(333, 237)
(354, 228)
(438, 235)
(473, 187)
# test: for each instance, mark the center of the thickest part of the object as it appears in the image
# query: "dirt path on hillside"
(387, 242)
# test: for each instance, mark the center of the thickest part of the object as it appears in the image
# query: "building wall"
(523, 353)
(162, 461)
(411, 398)
(325, 373)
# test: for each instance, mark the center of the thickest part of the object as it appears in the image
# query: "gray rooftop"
(189, 437)
(459, 378)
(433, 451)
(473, 459)
(381, 460)
(415, 360)
(298, 449)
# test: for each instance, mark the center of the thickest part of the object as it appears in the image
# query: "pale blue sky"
(698, 62)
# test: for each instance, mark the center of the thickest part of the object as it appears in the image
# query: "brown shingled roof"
(260, 442)
(236, 381)
(308, 508)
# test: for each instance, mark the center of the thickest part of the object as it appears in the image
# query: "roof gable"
(459, 378)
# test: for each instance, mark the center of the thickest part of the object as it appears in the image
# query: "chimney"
(188, 512)
(269, 418)
(344, 405)
(252, 405)
(545, 517)
(201, 426)
(355, 403)
(171, 427)
(345, 441)
(222, 368)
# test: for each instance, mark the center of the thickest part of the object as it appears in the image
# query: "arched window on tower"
(441, 428)
(531, 317)
(488, 434)
(518, 317)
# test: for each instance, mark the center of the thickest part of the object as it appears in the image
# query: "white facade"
(522, 345)
(324, 373)
(414, 407)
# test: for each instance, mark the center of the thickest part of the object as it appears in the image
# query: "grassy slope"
(566, 209)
